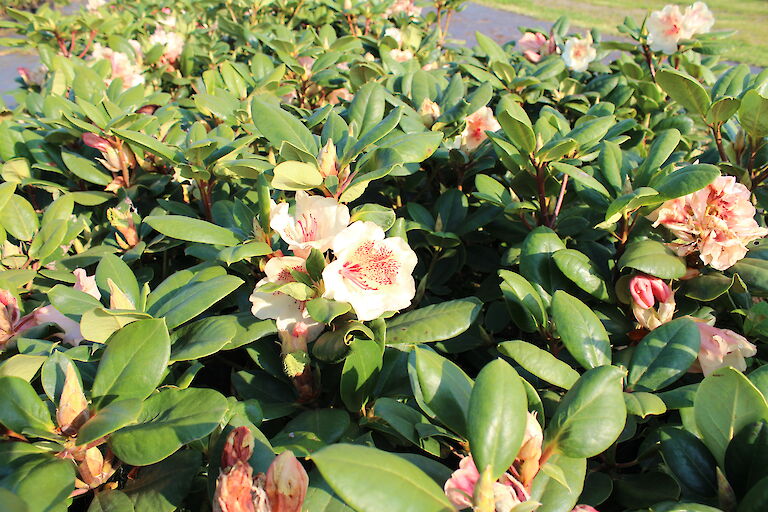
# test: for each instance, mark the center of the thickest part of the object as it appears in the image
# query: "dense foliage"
(310, 255)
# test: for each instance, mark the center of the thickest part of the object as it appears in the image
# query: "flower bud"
(286, 484)
(72, 411)
(646, 291)
(235, 484)
(9, 316)
(429, 112)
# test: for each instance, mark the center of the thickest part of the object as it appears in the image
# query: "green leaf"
(644, 404)
(168, 420)
(71, 302)
(44, 483)
(685, 90)
(498, 412)
(753, 114)
(114, 268)
(21, 408)
(690, 462)
(376, 481)
(84, 169)
(746, 458)
(685, 181)
(519, 133)
(722, 110)
(111, 501)
(581, 177)
(194, 298)
(553, 495)
(294, 175)
(147, 143)
(436, 322)
(718, 419)
(163, 487)
(249, 250)
(521, 297)
(202, 338)
(541, 363)
(192, 230)
(590, 416)
(360, 372)
(442, 389)
(653, 258)
(756, 499)
(664, 355)
(279, 126)
(754, 272)
(133, 362)
(99, 324)
(109, 419)
(581, 331)
(19, 218)
(577, 267)
(325, 310)
(536, 262)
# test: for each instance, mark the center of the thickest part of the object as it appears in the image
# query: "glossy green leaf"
(109, 419)
(581, 331)
(21, 408)
(664, 355)
(192, 230)
(577, 267)
(653, 258)
(163, 487)
(360, 371)
(541, 363)
(433, 323)
(685, 90)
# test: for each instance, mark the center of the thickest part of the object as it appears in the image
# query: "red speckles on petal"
(371, 266)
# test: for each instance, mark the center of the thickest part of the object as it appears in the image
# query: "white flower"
(698, 19)
(665, 28)
(172, 42)
(93, 5)
(315, 222)
(72, 335)
(578, 53)
(371, 272)
(290, 314)
(478, 123)
(123, 66)
(401, 55)
(395, 34)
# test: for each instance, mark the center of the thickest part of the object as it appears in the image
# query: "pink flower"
(403, 6)
(720, 348)
(534, 45)
(116, 155)
(172, 42)
(460, 488)
(124, 67)
(477, 124)
(287, 483)
(667, 27)
(718, 221)
(578, 53)
(11, 321)
(313, 225)
(584, 508)
(401, 55)
(646, 291)
(371, 272)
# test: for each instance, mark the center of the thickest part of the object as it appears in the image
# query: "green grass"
(748, 17)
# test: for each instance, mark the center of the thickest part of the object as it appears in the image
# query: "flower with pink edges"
(669, 26)
(460, 488)
(172, 43)
(718, 221)
(579, 52)
(478, 123)
(71, 330)
(646, 291)
(124, 67)
(535, 45)
(403, 6)
(720, 348)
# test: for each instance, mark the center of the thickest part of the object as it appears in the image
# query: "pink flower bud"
(287, 483)
(584, 508)
(646, 290)
(9, 316)
(235, 485)
(239, 447)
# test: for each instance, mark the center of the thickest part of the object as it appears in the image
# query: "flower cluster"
(718, 221)
(669, 26)
(172, 43)
(369, 271)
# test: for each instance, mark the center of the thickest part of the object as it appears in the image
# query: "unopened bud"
(286, 484)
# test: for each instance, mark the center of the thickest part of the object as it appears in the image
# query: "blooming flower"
(478, 123)
(371, 272)
(698, 19)
(720, 348)
(124, 67)
(403, 6)
(290, 314)
(314, 224)
(534, 45)
(667, 27)
(718, 221)
(646, 291)
(172, 42)
(460, 488)
(93, 5)
(578, 53)
(401, 55)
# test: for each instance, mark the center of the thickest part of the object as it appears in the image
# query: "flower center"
(371, 266)
(306, 228)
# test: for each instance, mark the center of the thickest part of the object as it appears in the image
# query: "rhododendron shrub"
(310, 256)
